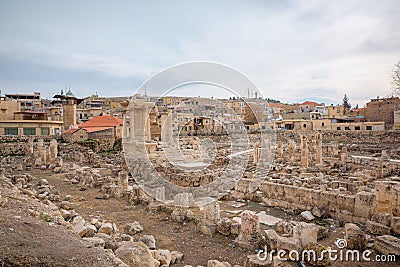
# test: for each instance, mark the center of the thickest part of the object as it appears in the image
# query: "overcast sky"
(293, 50)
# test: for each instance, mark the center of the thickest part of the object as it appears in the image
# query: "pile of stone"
(129, 248)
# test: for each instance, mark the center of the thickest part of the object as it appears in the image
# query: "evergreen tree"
(346, 103)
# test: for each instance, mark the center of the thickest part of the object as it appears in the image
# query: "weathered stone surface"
(91, 230)
(284, 227)
(306, 233)
(176, 257)
(271, 238)
(207, 229)
(164, 257)
(307, 215)
(250, 235)
(66, 205)
(149, 241)
(133, 228)
(215, 263)
(180, 214)
(377, 228)
(382, 218)
(224, 226)
(94, 242)
(106, 228)
(289, 243)
(387, 244)
(43, 182)
(354, 237)
(110, 242)
(135, 254)
(395, 225)
(267, 219)
(81, 229)
(254, 261)
(65, 213)
(317, 212)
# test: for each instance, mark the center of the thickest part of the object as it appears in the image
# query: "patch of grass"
(45, 217)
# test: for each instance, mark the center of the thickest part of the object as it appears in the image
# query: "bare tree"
(396, 79)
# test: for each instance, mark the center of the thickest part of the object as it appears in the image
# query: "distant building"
(69, 102)
(382, 109)
(100, 127)
(396, 115)
(309, 106)
(337, 111)
(27, 101)
(17, 121)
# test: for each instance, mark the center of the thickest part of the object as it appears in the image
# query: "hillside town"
(77, 118)
(300, 177)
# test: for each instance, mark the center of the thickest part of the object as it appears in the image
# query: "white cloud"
(291, 49)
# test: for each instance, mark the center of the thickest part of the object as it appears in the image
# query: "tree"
(346, 103)
(396, 79)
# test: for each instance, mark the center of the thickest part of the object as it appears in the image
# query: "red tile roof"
(276, 105)
(101, 121)
(96, 129)
(71, 131)
(310, 103)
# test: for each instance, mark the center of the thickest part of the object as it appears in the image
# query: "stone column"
(279, 150)
(335, 149)
(124, 125)
(140, 128)
(166, 130)
(318, 146)
(131, 127)
(292, 150)
(41, 151)
(53, 150)
(122, 181)
(256, 153)
(182, 201)
(210, 219)
(343, 155)
(29, 147)
(304, 151)
(159, 193)
(250, 235)
(147, 128)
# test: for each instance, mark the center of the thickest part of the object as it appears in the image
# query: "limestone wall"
(357, 207)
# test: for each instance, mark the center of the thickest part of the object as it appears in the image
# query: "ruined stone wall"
(16, 145)
(358, 207)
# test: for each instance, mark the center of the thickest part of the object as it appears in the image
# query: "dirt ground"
(29, 241)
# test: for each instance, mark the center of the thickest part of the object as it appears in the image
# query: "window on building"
(323, 124)
(29, 131)
(56, 131)
(338, 128)
(304, 125)
(45, 131)
(347, 128)
(11, 131)
(357, 128)
(368, 128)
